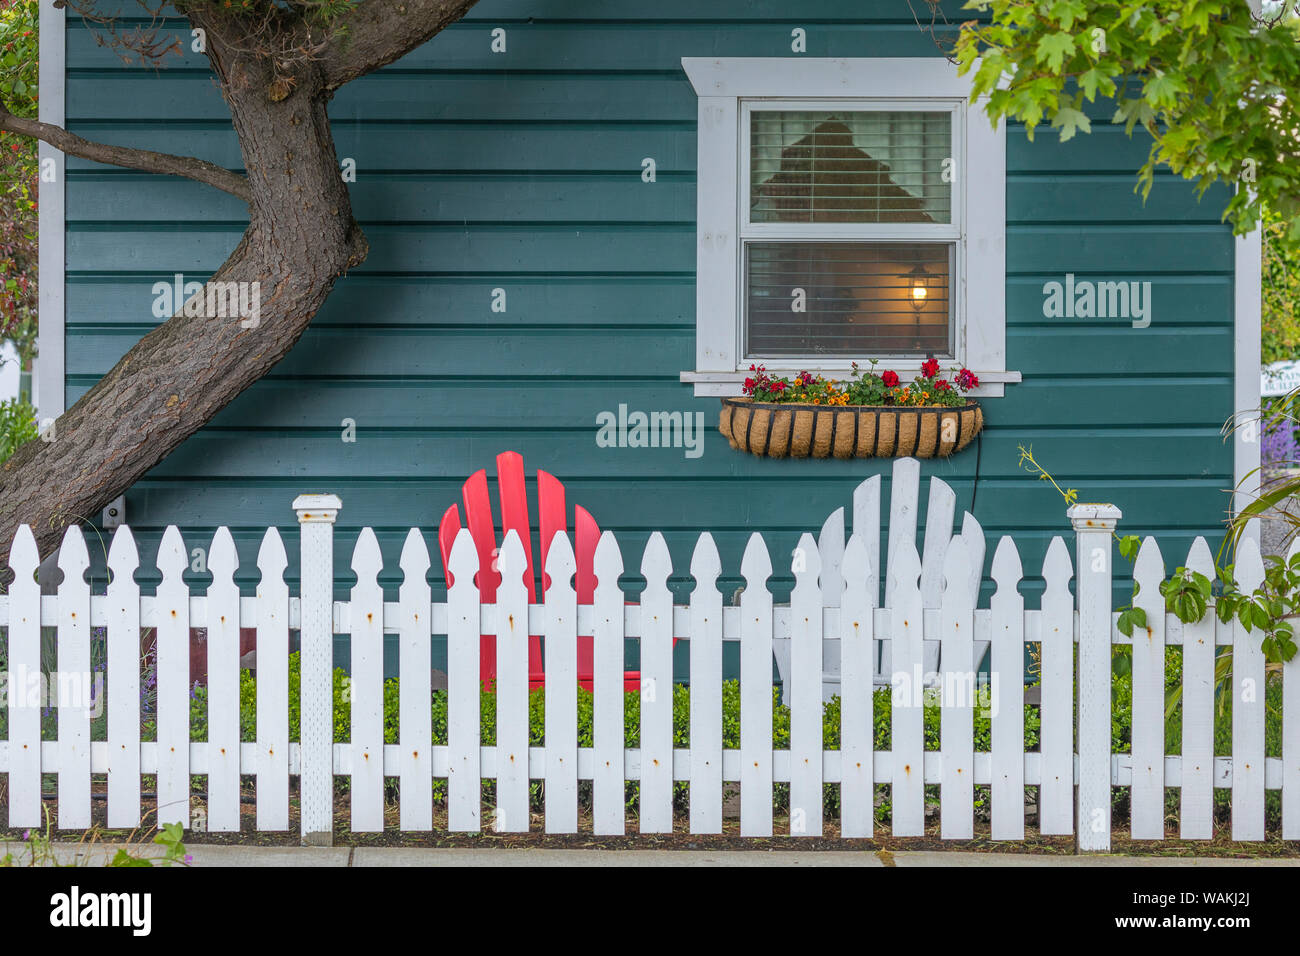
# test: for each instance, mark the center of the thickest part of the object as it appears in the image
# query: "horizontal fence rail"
(1073, 635)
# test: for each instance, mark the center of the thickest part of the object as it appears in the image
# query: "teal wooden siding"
(522, 171)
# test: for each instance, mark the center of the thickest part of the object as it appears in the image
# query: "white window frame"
(728, 89)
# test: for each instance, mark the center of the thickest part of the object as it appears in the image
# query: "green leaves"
(1209, 84)
(1162, 90)
(1069, 120)
(1066, 12)
(1097, 79)
(1054, 48)
(1187, 595)
(1131, 617)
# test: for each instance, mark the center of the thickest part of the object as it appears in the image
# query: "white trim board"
(722, 83)
(1247, 307)
(50, 363)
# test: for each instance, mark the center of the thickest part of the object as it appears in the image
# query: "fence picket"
(1056, 694)
(272, 685)
(24, 695)
(818, 563)
(1196, 809)
(906, 727)
(74, 685)
(512, 811)
(223, 685)
(656, 689)
(173, 650)
(706, 689)
(1247, 707)
(866, 524)
(957, 692)
(904, 491)
(608, 792)
(367, 686)
(414, 692)
(123, 675)
(938, 532)
(1147, 796)
(857, 724)
(973, 536)
(561, 795)
(830, 549)
(806, 691)
(756, 691)
(464, 647)
(1007, 694)
(1290, 735)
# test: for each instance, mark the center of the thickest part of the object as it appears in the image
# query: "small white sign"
(1279, 378)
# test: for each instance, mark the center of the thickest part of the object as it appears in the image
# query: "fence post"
(316, 514)
(1094, 524)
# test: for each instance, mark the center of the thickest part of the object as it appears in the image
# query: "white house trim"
(48, 384)
(980, 291)
(1247, 306)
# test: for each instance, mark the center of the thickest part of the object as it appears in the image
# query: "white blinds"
(849, 299)
(850, 166)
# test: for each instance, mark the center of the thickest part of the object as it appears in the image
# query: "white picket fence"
(1074, 783)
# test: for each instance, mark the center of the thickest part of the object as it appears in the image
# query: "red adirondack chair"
(514, 516)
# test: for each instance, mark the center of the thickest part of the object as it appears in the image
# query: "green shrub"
(1121, 722)
(17, 426)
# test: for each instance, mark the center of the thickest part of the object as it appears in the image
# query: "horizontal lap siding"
(522, 171)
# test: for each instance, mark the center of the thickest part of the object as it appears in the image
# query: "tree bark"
(301, 238)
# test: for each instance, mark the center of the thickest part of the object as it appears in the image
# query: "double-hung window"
(848, 210)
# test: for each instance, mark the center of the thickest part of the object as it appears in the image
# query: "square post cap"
(1093, 517)
(312, 508)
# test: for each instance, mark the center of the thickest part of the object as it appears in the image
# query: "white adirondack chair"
(904, 498)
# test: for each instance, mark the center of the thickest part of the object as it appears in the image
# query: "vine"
(1189, 594)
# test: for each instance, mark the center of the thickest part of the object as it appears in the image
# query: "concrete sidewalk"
(343, 856)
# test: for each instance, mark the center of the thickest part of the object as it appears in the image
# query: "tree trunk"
(301, 238)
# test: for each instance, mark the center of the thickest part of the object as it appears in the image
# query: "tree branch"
(143, 159)
(377, 32)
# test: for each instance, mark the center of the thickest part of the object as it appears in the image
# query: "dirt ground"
(729, 839)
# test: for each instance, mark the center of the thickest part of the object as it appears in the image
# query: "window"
(836, 223)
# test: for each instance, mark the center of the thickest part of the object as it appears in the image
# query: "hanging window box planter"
(872, 416)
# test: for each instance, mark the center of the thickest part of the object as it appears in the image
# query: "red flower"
(930, 368)
(941, 385)
(889, 378)
(966, 379)
(778, 386)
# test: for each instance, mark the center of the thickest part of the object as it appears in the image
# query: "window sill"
(729, 384)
